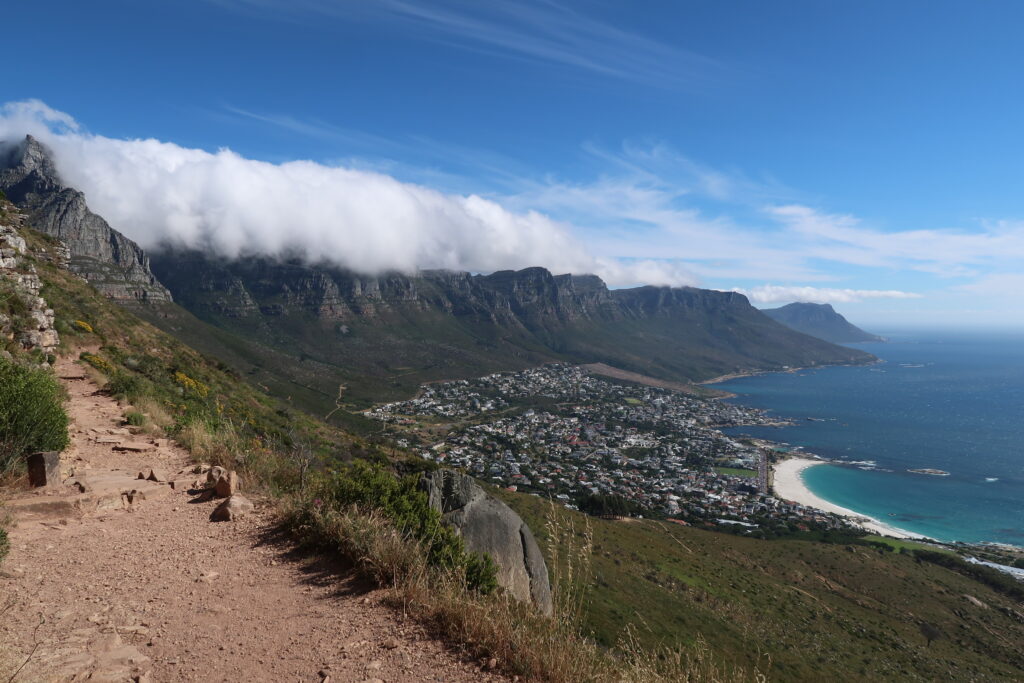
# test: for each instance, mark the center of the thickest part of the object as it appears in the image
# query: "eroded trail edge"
(102, 586)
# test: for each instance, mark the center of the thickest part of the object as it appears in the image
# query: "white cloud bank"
(158, 192)
(776, 294)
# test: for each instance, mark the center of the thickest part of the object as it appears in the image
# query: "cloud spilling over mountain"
(159, 192)
(772, 294)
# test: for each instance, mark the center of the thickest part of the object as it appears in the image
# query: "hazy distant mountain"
(821, 321)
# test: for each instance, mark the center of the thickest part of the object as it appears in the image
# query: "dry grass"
(522, 641)
(157, 417)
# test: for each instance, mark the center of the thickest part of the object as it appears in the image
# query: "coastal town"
(560, 432)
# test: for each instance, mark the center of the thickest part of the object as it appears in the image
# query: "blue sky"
(867, 154)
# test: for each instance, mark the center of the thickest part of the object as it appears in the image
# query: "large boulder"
(487, 525)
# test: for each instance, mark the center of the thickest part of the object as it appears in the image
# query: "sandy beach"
(789, 485)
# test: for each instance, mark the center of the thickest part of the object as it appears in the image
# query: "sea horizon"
(947, 401)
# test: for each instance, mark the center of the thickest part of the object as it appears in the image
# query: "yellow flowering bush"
(98, 362)
(193, 386)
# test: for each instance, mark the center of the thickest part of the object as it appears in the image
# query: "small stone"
(231, 509)
(375, 665)
(492, 663)
(228, 485)
(134, 446)
(44, 469)
(215, 473)
(390, 643)
(208, 577)
(157, 475)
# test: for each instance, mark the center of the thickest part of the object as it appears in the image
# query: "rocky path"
(100, 588)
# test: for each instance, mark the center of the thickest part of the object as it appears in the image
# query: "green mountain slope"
(800, 610)
(384, 336)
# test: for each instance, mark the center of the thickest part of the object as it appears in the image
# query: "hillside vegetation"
(360, 512)
(638, 600)
(797, 610)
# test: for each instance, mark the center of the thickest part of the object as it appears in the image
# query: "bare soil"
(154, 591)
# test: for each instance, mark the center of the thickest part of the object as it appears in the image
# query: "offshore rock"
(111, 262)
(487, 525)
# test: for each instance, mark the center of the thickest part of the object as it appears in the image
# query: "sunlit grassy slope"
(817, 611)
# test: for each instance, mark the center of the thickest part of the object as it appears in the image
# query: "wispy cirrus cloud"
(539, 30)
(948, 252)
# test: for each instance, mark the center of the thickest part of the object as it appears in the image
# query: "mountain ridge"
(422, 327)
(821, 321)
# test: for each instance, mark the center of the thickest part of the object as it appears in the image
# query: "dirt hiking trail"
(103, 584)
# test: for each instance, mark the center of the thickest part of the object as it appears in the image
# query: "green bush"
(32, 416)
(373, 489)
(4, 545)
(135, 418)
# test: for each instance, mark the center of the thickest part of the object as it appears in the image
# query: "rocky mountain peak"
(28, 171)
(111, 262)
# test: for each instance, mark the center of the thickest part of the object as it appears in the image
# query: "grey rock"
(44, 468)
(487, 525)
(111, 262)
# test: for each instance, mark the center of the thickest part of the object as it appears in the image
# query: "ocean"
(951, 402)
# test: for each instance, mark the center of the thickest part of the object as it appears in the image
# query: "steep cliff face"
(111, 262)
(395, 331)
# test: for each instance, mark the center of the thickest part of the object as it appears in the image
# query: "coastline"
(788, 484)
(755, 373)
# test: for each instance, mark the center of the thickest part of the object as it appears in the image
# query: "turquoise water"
(941, 401)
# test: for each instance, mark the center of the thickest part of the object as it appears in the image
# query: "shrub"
(32, 416)
(4, 545)
(122, 385)
(371, 489)
(135, 418)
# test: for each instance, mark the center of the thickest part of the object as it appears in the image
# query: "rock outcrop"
(487, 525)
(111, 262)
(28, 320)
